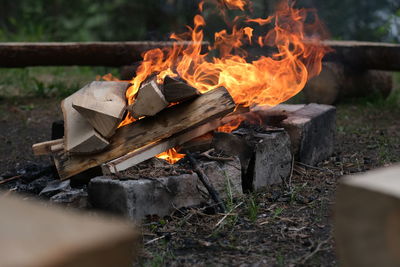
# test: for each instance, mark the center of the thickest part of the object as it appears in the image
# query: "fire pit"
(181, 95)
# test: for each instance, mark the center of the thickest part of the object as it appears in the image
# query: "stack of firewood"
(167, 115)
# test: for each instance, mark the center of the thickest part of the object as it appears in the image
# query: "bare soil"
(289, 225)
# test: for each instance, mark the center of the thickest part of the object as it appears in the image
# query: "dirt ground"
(289, 225)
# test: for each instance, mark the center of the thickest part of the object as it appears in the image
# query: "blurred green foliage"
(101, 20)
(127, 20)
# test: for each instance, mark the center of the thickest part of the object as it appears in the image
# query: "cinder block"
(367, 218)
(138, 198)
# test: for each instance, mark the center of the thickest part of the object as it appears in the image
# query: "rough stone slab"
(367, 218)
(312, 132)
(272, 160)
(311, 129)
(74, 198)
(34, 234)
(233, 145)
(138, 198)
(225, 176)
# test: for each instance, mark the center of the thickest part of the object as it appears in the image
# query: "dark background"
(115, 20)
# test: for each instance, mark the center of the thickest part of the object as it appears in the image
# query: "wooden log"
(365, 55)
(79, 135)
(149, 100)
(44, 148)
(36, 234)
(367, 218)
(211, 105)
(177, 91)
(337, 82)
(149, 151)
(84, 54)
(103, 105)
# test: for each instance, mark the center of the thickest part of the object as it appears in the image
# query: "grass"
(44, 82)
(252, 208)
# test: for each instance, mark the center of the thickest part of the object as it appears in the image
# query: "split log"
(177, 91)
(337, 82)
(84, 54)
(79, 135)
(367, 218)
(103, 105)
(365, 55)
(36, 234)
(149, 100)
(209, 106)
(44, 148)
(149, 151)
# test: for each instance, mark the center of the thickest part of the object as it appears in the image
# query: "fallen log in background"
(337, 81)
(365, 55)
(183, 117)
(355, 54)
(113, 54)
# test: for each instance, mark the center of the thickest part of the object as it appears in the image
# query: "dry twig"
(10, 179)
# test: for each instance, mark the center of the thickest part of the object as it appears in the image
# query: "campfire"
(182, 94)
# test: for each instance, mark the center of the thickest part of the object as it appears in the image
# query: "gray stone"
(75, 198)
(272, 160)
(312, 132)
(55, 187)
(225, 176)
(139, 198)
(233, 145)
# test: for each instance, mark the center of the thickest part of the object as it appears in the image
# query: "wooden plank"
(103, 105)
(150, 150)
(84, 54)
(367, 218)
(79, 135)
(211, 105)
(44, 148)
(34, 234)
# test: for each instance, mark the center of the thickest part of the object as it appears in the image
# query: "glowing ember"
(171, 155)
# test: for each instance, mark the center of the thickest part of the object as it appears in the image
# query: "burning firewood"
(149, 151)
(183, 117)
(177, 91)
(103, 105)
(149, 101)
(79, 135)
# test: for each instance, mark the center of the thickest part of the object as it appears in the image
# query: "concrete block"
(138, 198)
(225, 176)
(367, 218)
(272, 160)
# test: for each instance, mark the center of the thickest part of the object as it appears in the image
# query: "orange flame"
(171, 155)
(268, 80)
